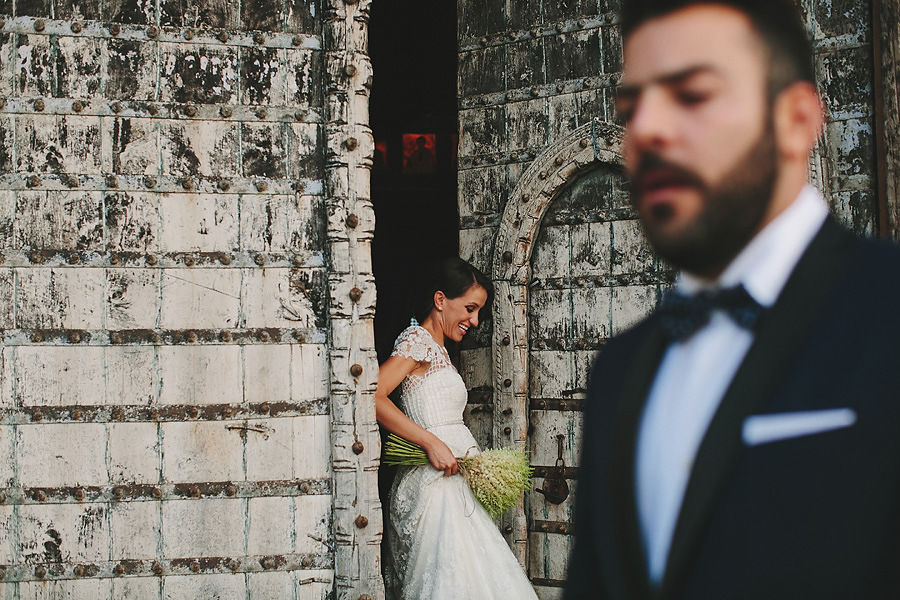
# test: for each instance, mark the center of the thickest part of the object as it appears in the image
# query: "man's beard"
(732, 211)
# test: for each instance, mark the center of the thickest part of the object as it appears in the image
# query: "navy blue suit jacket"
(815, 516)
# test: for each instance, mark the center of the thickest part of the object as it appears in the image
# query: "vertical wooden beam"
(355, 443)
(886, 50)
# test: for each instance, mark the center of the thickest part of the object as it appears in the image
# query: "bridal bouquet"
(496, 477)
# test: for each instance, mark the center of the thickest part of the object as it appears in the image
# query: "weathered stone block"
(7, 63)
(194, 73)
(311, 447)
(65, 588)
(551, 374)
(563, 116)
(284, 298)
(261, 586)
(268, 450)
(206, 527)
(212, 13)
(129, 11)
(526, 63)
(845, 78)
(59, 144)
(200, 298)
(200, 375)
(853, 151)
(855, 210)
(134, 529)
(590, 314)
(207, 148)
(60, 454)
(305, 69)
(309, 372)
(267, 373)
(59, 220)
(555, 11)
(630, 304)
(611, 49)
(568, 53)
(7, 143)
(526, 124)
(132, 71)
(202, 451)
(79, 67)
(282, 223)
(9, 551)
(481, 191)
(267, 533)
(478, 72)
(135, 146)
(134, 453)
(481, 131)
(834, 18)
(194, 222)
(266, 15)
(7, 467)
(312, 521)
(524, 14)
(263, 73)
(132, 298)
(7, 305)
(264, 150)
(477, 246)
(34, 65)
(631, 253)
(132, 221)
(67, 298)
(478, 18)
(137, 588)
(546, 560)
(591, 247)
(593, 104)
(305, 143)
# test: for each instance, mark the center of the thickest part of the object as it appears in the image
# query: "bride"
(442, 543)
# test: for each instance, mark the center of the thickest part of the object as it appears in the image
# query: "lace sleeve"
(415, 343)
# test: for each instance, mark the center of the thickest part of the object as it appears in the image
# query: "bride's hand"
(441, 458)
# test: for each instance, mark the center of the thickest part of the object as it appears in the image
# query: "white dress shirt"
(695, 373)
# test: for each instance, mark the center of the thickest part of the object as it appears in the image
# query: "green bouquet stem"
(497, 477)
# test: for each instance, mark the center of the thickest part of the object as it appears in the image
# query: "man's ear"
(798, 116)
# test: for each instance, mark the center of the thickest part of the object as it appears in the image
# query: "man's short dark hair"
(777, 22)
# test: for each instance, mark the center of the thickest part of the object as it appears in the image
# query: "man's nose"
(652, 123)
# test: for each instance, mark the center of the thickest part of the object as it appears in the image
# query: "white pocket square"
(762, 429)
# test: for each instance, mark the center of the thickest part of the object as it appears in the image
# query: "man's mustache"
(654, 171)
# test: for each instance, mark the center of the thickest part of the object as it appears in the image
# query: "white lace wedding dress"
(443, 545)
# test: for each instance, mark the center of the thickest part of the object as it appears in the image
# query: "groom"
(744, 440)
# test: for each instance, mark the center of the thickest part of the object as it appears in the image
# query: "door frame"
(560, 163)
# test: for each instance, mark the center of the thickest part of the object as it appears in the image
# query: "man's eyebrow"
(630, 90)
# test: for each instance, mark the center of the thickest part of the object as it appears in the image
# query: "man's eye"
(690, 97)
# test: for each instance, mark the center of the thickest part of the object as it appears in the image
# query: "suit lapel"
(624, 502)
(785, 329)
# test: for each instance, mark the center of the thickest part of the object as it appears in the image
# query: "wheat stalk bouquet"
(496, 477)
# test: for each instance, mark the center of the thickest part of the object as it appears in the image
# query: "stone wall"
(186, 301)
(543, 208)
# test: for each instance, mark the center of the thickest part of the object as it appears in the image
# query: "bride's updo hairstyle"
(454, 277)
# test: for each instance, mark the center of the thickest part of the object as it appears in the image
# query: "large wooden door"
(578, 271)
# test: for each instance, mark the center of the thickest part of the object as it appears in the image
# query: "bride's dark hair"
(454, 277)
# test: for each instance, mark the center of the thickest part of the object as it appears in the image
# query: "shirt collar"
(766, 262)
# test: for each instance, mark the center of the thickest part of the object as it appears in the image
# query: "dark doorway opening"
(412, 45)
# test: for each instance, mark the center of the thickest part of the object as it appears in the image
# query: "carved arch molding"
(559, 164)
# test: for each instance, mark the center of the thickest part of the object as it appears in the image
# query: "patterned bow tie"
(681, 315)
